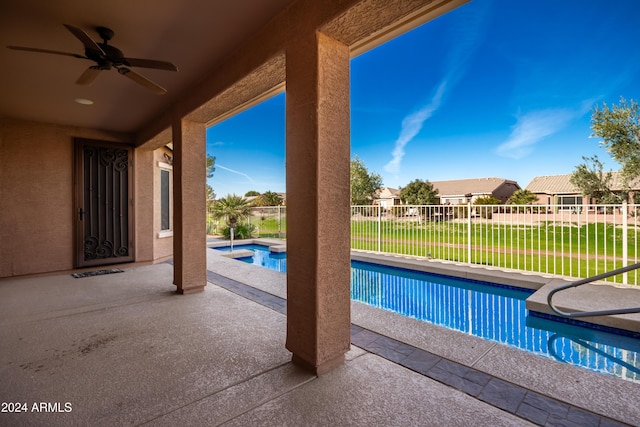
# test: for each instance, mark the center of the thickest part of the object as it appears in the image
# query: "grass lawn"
(568, 249)
(270, 226)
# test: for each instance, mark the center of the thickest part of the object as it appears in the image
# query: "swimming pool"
(489, 311)
(262, 256)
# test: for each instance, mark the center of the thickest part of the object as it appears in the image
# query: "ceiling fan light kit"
(107, 57)
(83, 101)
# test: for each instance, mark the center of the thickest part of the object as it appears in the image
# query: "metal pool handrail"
(589, 280)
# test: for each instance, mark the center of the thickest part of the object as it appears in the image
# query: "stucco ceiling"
(192, 34)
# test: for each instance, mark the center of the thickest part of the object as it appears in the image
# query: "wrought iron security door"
(103, 207)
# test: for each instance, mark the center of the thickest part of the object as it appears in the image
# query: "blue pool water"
(489, 311)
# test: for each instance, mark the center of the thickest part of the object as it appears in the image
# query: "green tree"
(232, 208)
(486, 200)
(419, 192)
(211, 195)
(363, 183)
(592, 182)
(522, 197)
(619, 128)
(251, 193)
(211, 166)
(269, 198)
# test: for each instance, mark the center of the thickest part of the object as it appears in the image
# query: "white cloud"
(467, 33)
(236, 172)
(532, 128)
(411, 126)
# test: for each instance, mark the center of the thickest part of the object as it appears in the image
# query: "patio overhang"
(304, 44)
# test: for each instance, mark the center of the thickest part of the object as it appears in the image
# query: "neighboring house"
(557, 189)
(387, 197)
(284, 198)
(463, 190)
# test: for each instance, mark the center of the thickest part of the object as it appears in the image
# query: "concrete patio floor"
(125, 349)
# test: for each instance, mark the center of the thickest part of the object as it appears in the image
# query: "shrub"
(485, 211)
(460, 211)
(242, 231)
(212, 227)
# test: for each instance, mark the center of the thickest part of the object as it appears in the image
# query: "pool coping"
(240, 253)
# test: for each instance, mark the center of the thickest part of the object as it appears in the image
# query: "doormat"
(97, 273)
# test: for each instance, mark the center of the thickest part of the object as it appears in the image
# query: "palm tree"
(522, 197)
(232, 208)
(269, 198)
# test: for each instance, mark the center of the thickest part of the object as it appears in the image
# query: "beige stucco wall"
(143, 206)
(36, 195)
(149, 245)
(37, 198)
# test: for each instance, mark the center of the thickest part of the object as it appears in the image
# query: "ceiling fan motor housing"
(110, 55)
(105, 33)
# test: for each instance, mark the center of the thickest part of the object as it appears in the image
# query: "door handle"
(82, 212)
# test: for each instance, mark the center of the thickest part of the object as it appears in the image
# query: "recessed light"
(84, 101)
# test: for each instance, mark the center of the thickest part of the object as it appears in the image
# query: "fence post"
(379, 227)
(625, 232)
(469, 232)
(279, 228)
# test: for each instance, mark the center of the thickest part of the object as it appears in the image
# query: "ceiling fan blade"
(153, 87)
(150, 63)
(88, 76)
(84, 38)
(54, 52)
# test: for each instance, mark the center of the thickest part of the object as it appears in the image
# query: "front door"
(103, 208)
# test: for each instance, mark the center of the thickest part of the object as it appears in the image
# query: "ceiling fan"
(106, 57)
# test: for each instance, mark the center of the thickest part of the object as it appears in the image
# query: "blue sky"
(497, 88)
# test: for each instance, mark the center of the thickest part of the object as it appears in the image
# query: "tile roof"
(475, 186)
(559, 184)
(555, 184)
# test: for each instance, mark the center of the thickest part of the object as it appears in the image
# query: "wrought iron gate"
(103, 204)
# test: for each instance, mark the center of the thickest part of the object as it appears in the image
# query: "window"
(165, 213)
(570, 202)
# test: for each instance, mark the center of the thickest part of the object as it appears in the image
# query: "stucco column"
(318, 242)
(143, 186)
(189, 207)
